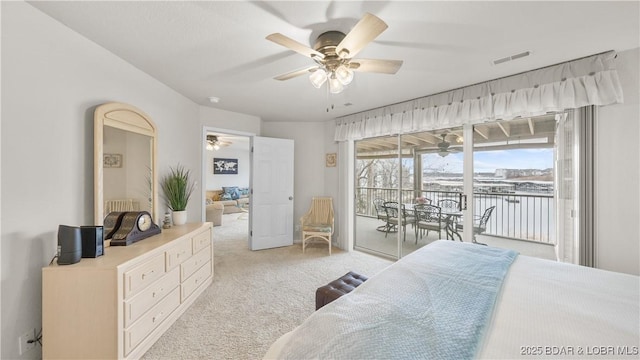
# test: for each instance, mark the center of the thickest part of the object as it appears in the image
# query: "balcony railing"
(517, 216)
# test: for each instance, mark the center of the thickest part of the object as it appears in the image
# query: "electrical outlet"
(24, 339)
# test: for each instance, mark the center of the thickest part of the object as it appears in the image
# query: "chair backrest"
(121, 205)
(428, 212)
(321, 210)
(391, 208)
(485, 217)
(449, 205)
(378, 203)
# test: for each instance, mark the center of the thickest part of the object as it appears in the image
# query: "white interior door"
(271, 219)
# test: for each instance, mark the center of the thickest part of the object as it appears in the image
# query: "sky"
(489, 161)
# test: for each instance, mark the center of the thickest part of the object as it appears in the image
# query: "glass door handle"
(462, 203)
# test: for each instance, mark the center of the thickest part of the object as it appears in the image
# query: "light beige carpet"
(256, 296)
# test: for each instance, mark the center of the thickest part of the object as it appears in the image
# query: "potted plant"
(177, 187)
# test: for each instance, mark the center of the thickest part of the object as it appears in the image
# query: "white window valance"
(587, 81)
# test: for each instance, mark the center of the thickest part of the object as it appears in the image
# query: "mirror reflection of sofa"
(233, 200)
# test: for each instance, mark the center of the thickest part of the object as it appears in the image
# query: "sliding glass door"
(439, 202)
(523, 184)
(377, 179)
(408, 191)
(504, 183)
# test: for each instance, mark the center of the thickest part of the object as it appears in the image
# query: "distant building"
(518, 173)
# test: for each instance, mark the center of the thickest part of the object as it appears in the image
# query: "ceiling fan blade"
(367, 29)
(295, 73)
(375, 65)
(294, 45)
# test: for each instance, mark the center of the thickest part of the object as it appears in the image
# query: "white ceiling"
(207, 48)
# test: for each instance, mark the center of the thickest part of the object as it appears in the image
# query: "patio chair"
(378, 204)
(449, 205)
(479, 224)
(429, 217)
(317, 223)
(451, 208)
(397, 215)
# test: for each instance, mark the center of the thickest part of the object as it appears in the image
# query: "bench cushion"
(333, 290)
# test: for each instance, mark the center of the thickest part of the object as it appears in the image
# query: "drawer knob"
(147, 274)
(157, 317)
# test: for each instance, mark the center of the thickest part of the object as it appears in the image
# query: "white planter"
(179, 217)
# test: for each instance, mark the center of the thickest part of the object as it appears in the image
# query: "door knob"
(290, 197)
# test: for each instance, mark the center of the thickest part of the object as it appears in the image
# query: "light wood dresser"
(117, 305)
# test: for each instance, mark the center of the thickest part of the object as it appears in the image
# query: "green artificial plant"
(177, 188)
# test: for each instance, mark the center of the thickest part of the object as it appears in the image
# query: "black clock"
(134, 226)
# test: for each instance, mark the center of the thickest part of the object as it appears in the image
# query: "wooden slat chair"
(317, 223)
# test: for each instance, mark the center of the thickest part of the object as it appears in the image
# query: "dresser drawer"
(192, 265)
(141, 276)
(147, 298)
(197, 279)
(201, 241)
(178, 254)
(149, 321)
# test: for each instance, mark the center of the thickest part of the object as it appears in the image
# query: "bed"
(453, 300)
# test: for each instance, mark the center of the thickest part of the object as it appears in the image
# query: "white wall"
(618, 174)
(332, 182)
(52, 80)
(226, 120)
(309, 155)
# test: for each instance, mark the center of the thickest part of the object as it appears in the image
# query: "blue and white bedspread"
(433, 304)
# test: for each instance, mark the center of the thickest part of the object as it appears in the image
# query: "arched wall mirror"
(125, 176)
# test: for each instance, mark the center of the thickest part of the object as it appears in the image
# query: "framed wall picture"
(225, 166)
(112, 160)
(331, 160)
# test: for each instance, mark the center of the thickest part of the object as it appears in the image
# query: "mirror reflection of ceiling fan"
(333, 53)
(214, 142)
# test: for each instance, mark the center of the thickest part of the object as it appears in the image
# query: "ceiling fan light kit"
(335, 85)
(213, 143)
(318, 78)
(333, 53)
(344, 75)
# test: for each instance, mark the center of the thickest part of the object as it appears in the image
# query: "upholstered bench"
(333, 290)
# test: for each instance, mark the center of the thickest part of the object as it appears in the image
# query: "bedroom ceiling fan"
(333, 53)
(214, 142)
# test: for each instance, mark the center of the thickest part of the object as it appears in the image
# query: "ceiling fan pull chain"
(327, 96)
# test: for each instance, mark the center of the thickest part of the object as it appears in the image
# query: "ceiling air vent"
(512, 57)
